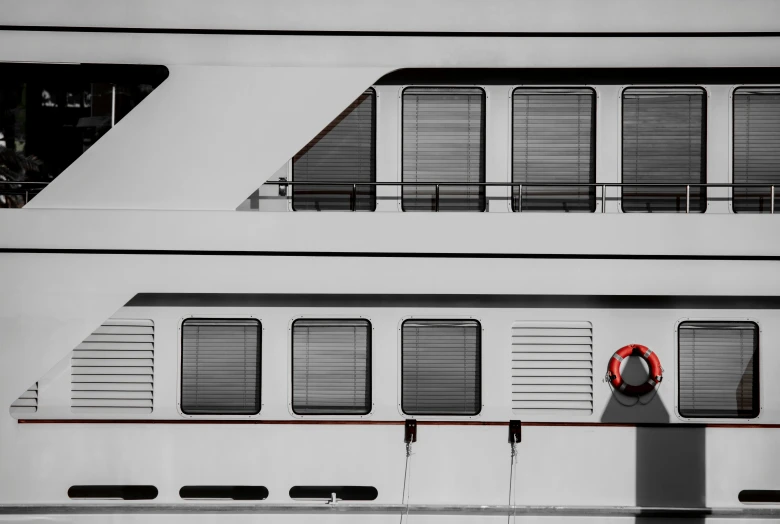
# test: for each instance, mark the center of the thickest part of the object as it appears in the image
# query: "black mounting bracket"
(410, 431)
(514, 431)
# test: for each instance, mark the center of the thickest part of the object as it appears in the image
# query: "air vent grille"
(27, 402)
(112, 371)
(552, 367)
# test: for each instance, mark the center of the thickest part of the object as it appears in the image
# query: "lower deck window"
(718, 369)
(220, 366)
(440, 362)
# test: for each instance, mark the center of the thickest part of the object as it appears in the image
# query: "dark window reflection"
(51, 114)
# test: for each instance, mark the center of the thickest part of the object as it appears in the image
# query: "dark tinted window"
(664, 143)
(50, 114)
(554, 141)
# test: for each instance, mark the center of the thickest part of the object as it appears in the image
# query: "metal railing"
(351, 189)
(27, 189)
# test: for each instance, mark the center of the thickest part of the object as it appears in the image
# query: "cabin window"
(50, 114)
(554, 142)
(664, 142)
(441, 370)
(443, 142)
(756, 143)
(331, 367)
(344, 152)
(220, 366)
(718, 369)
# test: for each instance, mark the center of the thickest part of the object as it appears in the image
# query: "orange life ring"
(654, 378)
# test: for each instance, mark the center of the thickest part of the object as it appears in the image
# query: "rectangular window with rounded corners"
(344, 154)
(443, 149)
(50, 114)
(664, 145)
(224, 492)
(718, 369)
(123, 492)
(756, 148)
(340, 492)
(440, 367)
(220, 366)
(331, 367)
(554, 142)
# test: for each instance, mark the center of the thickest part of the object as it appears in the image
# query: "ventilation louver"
(112, 371)
(27, 402)
(552, 367)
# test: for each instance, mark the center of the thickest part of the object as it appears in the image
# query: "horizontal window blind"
(441, 367)
(345, 151)
(718, 369)
(664, 143)
(756, 155)
(552, 368)
(443, 141)
(27, 403)
(554, 141)
(220, 366)
(331, 361)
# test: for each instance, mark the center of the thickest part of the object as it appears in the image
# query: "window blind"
(441, 367)
(331, 367)
(344, 151)
(220, 366)
(756, 154)
(554, 141)
(664, 143)
(443, 141)
(718, 369)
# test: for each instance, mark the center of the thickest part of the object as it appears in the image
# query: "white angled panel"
(552, 368)
(112, 371)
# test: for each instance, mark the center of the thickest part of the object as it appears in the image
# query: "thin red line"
(389, 423)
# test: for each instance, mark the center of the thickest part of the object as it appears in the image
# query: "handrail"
(603, 185)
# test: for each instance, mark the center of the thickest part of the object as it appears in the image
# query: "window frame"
(759, 388)
(369, 371)
(180, 366)
(400, 383)
(731, 133)
(375, 129)
(704, 138)
(483, 138)
(594, 138)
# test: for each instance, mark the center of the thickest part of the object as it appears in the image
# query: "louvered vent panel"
(27, 403)
(443, 141)
(112, 371)
(664, 143)
(552, 367)
(756, 148)
(718, 369)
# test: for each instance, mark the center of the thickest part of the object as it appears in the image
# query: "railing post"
(27, 195)
(519, 196)
(603, 198)
(353, 199)
(687, 199)
(436, 204)
(772, 201)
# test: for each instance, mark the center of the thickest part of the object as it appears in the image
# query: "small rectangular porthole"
(121, 492)
(759, 496)
(328, 492)
(224, 492)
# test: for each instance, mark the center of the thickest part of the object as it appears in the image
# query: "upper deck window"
(664, 143)
(554, 141)
(756, 154)
(718, 369)
(345, 151)
(50, 114)
(443, 142)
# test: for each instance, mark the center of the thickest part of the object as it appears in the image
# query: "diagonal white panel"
(233, 128)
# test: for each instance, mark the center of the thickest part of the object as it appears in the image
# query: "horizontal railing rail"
(29, 189)
(351, 188)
